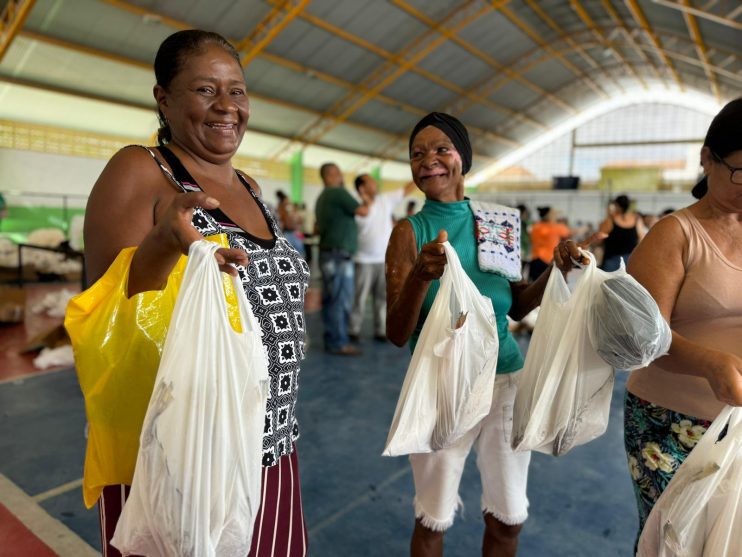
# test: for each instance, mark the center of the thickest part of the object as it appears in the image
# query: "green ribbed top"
(457, 219)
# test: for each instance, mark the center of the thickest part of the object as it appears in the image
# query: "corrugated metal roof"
(455, 65)
(338, 73)
(270, 80)
(419, 91)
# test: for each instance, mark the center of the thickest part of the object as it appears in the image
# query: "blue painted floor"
(357, 503)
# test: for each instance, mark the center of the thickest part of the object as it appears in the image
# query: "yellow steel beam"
(380, 78)
(695, 62)
(329, 78)
(642, 21)
(536, 38)
(180, 25)
(137, 10)
(396, 65)
(527, 62)
(683, 38)
(695, 34)
(489, 86)
(267, 30)
(346, 35)
(719, 70)
(734, 13)
(688, 9)
(272, 58)
(533, 4)
(588, 21)
(619, 22)
(487, 59)
(385, 54)
(274, 14)
(133, 104)
(302, 69)
(61, 43)
(177, 24)
(142, 65)
(12, 18)
(390, 71)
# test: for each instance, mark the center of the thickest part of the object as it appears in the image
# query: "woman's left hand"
(227, 258)
(567, 253)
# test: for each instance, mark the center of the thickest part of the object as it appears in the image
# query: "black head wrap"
(454, 129)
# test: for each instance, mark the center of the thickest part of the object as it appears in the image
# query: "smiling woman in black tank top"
(162, 200)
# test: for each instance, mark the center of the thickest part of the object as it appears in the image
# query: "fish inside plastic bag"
(626, 326)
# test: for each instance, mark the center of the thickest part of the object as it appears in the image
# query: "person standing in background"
(622, 229)
(545, 237)
(374, 231)
(289, 222)
(335, 222)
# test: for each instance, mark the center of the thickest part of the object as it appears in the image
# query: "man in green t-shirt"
(338, 240)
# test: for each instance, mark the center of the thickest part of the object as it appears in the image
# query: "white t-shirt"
(375, 228)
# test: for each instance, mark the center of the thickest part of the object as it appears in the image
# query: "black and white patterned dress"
(275, 281)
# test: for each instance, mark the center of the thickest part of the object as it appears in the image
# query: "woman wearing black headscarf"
(440, 156)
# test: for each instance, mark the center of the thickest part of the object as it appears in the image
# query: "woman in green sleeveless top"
(440, 156)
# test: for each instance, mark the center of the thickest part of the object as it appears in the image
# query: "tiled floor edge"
(47, 528)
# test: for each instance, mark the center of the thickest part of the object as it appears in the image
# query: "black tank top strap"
(180, 175)
(180, 171)
(165, 169)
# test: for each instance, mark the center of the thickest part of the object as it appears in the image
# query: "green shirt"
(457, 219)
(335, 212)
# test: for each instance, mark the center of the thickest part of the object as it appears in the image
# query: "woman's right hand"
(175, 229)
(724, 374)
(431, 261)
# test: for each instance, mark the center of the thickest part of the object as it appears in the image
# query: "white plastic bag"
(448, 386)
(626, 326)
(700, 512)
(565, 389)
(196, 487)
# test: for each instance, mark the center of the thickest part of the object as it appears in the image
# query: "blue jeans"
(337, 297)
(296, 242)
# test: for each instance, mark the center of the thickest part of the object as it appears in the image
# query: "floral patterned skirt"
(657, 441)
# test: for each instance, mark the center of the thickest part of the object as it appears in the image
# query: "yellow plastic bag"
(117, 343)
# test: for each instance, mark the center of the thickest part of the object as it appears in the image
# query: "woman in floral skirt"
(691, 263)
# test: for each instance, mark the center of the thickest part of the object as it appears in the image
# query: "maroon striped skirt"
(279, 529)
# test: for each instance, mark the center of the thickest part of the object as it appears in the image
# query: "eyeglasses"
(736, 173)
